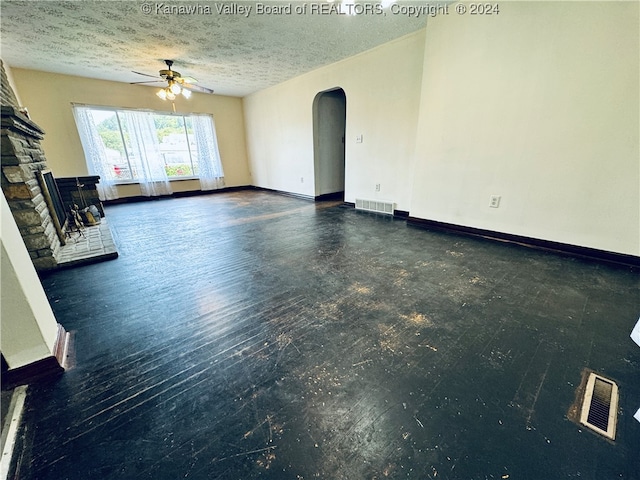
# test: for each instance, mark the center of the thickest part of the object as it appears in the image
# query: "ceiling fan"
(176, 83)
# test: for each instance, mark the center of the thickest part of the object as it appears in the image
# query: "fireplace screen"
(53, 200)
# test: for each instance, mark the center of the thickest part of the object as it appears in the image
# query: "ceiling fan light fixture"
(175, 83)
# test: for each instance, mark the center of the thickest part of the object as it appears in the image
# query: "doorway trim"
(329, 143)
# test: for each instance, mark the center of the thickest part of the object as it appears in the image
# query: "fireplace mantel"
(16, 121)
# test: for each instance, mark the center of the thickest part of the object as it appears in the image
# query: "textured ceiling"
(234, 54)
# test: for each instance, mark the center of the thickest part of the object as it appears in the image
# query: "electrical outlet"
(494, 201)
(301, 179)
(359, 139)
(377, 187)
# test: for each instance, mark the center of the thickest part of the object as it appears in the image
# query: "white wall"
(538, 104)
(49, 96)
(382, 88)
(28, 326)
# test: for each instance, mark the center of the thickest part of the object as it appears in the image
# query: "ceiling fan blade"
(150, 81)
(144, 74)
(172, 76)
(197, 88)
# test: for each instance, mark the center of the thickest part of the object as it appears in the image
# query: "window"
(149, 148)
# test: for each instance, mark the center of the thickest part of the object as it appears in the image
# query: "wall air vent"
(375, 206)
(600, 406)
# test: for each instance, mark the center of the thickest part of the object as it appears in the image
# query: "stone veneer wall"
(7, 95)
(22, 156)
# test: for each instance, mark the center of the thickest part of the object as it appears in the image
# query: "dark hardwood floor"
(251, 335)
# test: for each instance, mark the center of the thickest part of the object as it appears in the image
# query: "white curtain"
(95, 153)
(209, 165)
(143, 151)
(144, 155)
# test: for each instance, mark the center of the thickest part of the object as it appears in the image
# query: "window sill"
(135, 182)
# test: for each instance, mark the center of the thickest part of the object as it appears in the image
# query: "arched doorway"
(329, 124)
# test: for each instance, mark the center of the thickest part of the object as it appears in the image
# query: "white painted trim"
(11, 428)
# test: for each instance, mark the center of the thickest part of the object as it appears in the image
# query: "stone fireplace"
(22, 158)
(39, 202)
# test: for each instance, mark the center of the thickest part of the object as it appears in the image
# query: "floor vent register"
(600, 406)
(374, 206)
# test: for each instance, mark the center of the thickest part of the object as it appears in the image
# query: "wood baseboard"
(286, 194)
(61, 348)
(547, 245)
(188, 193)
(43, 369)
